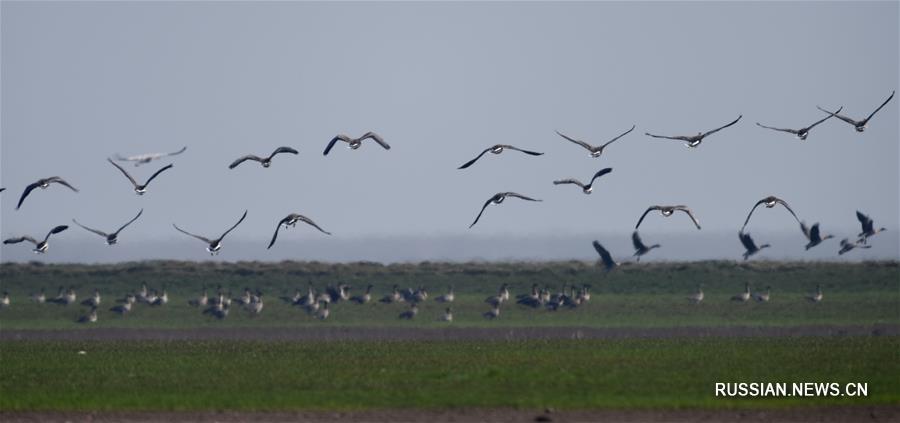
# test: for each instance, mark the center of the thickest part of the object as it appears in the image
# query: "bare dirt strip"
(440, 334)
(797, 414)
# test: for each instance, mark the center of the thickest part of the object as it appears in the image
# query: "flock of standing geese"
(317, 304)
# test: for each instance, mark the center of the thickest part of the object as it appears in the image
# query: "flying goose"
(697, 297)
(111, 238)
(91, 317)
(868, 227)
(668, 211)
(2, 189)
(409, 314)
(354, 143)
(816, 296)
(639, 247)
(585, 188)
(608, 262)
(695, 140)
(813, 235)
(497, 149)
(801, 133)
(291, 220)
(750, 245)
(743, 296)
(364, 298)
(763, 297)
(447, 316)
(497, 199)
(214, 244)
(140, 189)
(43, 184)
(39, 247)
(860, 125)
(147, 158)
(846, 245)
(264, 161)
(598, 150)
(448, 297)
(770, 201)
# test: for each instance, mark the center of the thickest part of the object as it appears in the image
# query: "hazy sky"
(440, 82)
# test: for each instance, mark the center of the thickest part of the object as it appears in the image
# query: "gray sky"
(441, 82)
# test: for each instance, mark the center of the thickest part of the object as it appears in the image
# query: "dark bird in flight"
(596, 151)
(639, 247)
(802, 133)
(770, 201)
(860, 125)
(846, 246)
(111, 238)
(264, 161)
(354, 143)
(497, 199)
(140, 189)
(668, 211)
(868, 227)
(750, 245)
(39, 247)
(291, 220)
(695, 140)
(497, 149)
(608, 262)
(214, 244)
(813, 235)
(147, 158)
(585, 188)
(2, 189)
(43, 184)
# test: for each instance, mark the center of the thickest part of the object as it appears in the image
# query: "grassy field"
(633, 373)
(645, 295)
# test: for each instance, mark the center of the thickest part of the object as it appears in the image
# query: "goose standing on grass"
(39, 297)
(608, 262)
(587, 189)
(40, 247)
(697, 297)
(43, 184)
(393, 297)
(411, 313)
(596, 151)
(122, 309)
(497, 199)
(111, 238)
(801, 133)
(365, 297)
(91, 317)
(860, 125)
(694, 140)
(763, 297)
(743, 296)
(354, 143)
(639, 247)
(668, 211)
(291, 221)
(497, 149)
(770, 202)
(816, 296)
(868, 227)
(200, 301)
(140, 189)
(750, 245)
(264, 161)
(813, 235)
(493, 313)
(147, 158)
(323, 312)
(256, 304)
(4, 299)
(94, 300)
(447, 316)
(448, 297)
(846, 245)
(214, 244)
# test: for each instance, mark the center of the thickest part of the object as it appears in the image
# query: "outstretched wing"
(690, 214)
(806, 230)
(27, 191)
(204, 239)
(866, 222)
(814, 232)
(280, 150)
(579, 142)
(55, 230)
(785, 204)
(722, 127)
(841, 117)
(309, 222)
(533, 153)
(20, 239)
(240, 160)
(600, 173)
(790, 131)
(177, 152)
(486, 203)
(882, 105)
(130, 221)
(569, 181)
(339, 137)
(377, 138)
(157, 173)
(470, 162)
(678, 137)
(751, 213)
(61, 181)
(637, 242)
(608, 261)
(513, 194)
(825, 118)
(275, 235)
(133, 182)
(235, 225)
(649, 209)
(96, 231)
(747, 241)
(620, 136)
